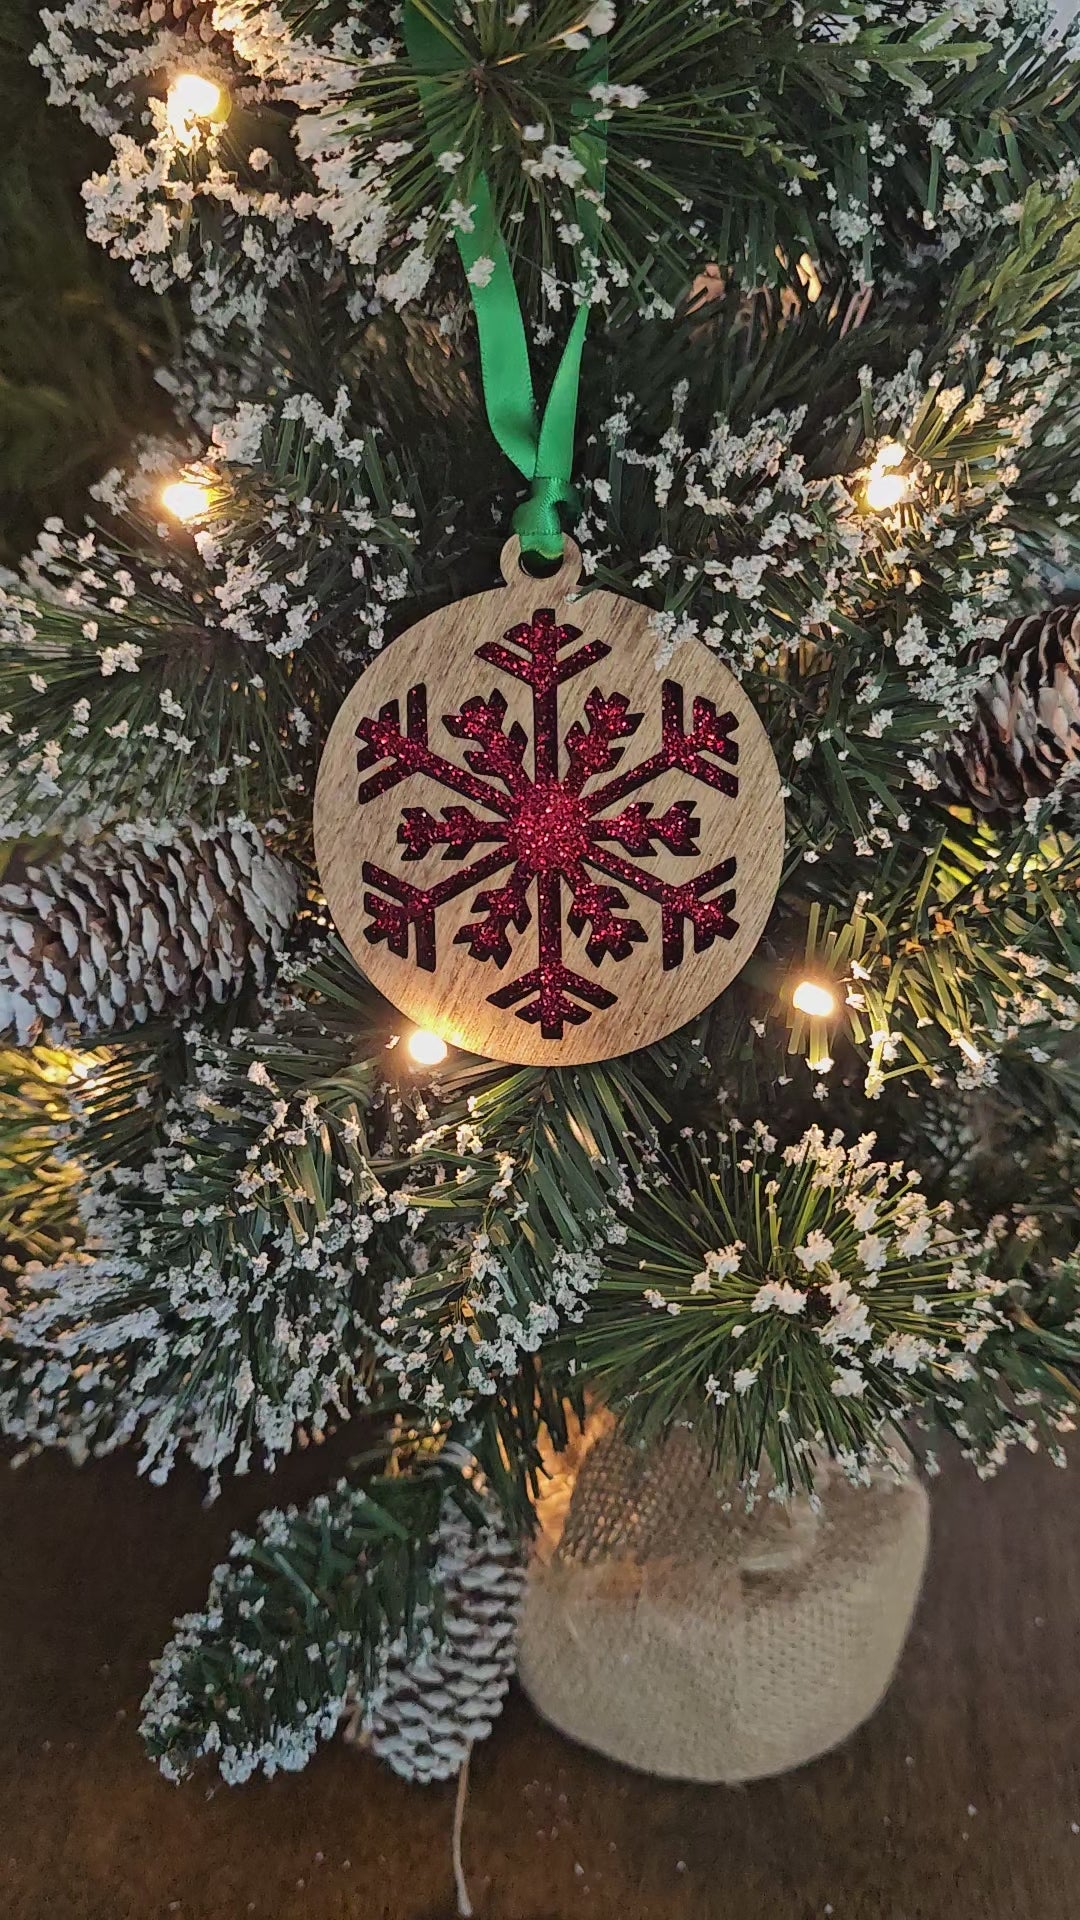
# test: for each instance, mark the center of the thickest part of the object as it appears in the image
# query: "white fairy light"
(426, 1048)
(885, 487)
(885, 490)
(191, 98)
(186, 500)
(812, 998)
(809, 277)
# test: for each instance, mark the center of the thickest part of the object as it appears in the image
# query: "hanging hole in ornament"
(559, 577)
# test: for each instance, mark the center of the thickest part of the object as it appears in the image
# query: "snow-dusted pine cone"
(428, 1710)
(1026, 729)
(192, 17)
(143, 921)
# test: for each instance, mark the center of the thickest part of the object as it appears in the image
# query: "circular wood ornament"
(535, 843)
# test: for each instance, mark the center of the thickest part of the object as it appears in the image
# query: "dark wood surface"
(959, 1801)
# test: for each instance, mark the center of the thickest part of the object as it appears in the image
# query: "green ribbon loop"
(541, 447)
(538, 522)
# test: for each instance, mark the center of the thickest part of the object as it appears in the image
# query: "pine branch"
(729, 135)
(688, 105)
(77, 350)
(563, 1144)
(1011, 116)
(1009, 294)
(153, 674)
(1026, 1389)
(231, 1300)
(783, 1303)
(955, 950)
(38, 1219)
(290, 1236)
(295, 1622)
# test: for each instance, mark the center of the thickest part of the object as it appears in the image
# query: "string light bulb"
(186, 500)
(812, 998)
(885, 490)
(425, 1048)
(809, 277)
(191, 98)
(886, 487)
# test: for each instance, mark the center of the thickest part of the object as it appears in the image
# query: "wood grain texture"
(983, 1714)
(539, 825)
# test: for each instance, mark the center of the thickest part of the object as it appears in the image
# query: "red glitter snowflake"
(551, 834)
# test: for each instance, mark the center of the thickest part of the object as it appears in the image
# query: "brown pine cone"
(191, 17)
(1026, 730)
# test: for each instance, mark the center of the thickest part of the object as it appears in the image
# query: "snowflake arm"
(593, 750)
(680, 905)
(554, 995)
(400, 908)
(594, 906)
(541, 641)
(680, 751)
(409, 753)
(503, 907)
(459, 831)
(636, 831)
(499, 753)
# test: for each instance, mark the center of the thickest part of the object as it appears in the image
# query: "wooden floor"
(960, 1801)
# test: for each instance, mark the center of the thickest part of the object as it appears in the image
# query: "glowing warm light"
(812, 998)
(889, 456)
(809, 277)
(186, 499)
(885, 490)
(191, 97)
(885, 487)
(426, 1048)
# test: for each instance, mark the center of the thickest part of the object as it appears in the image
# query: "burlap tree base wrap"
(669, 1629)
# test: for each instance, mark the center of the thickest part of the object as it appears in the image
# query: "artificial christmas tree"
(777, 312)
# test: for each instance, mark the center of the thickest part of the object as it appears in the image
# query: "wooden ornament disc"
(534, 842)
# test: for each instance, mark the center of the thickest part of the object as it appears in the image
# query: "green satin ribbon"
(540, 446)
